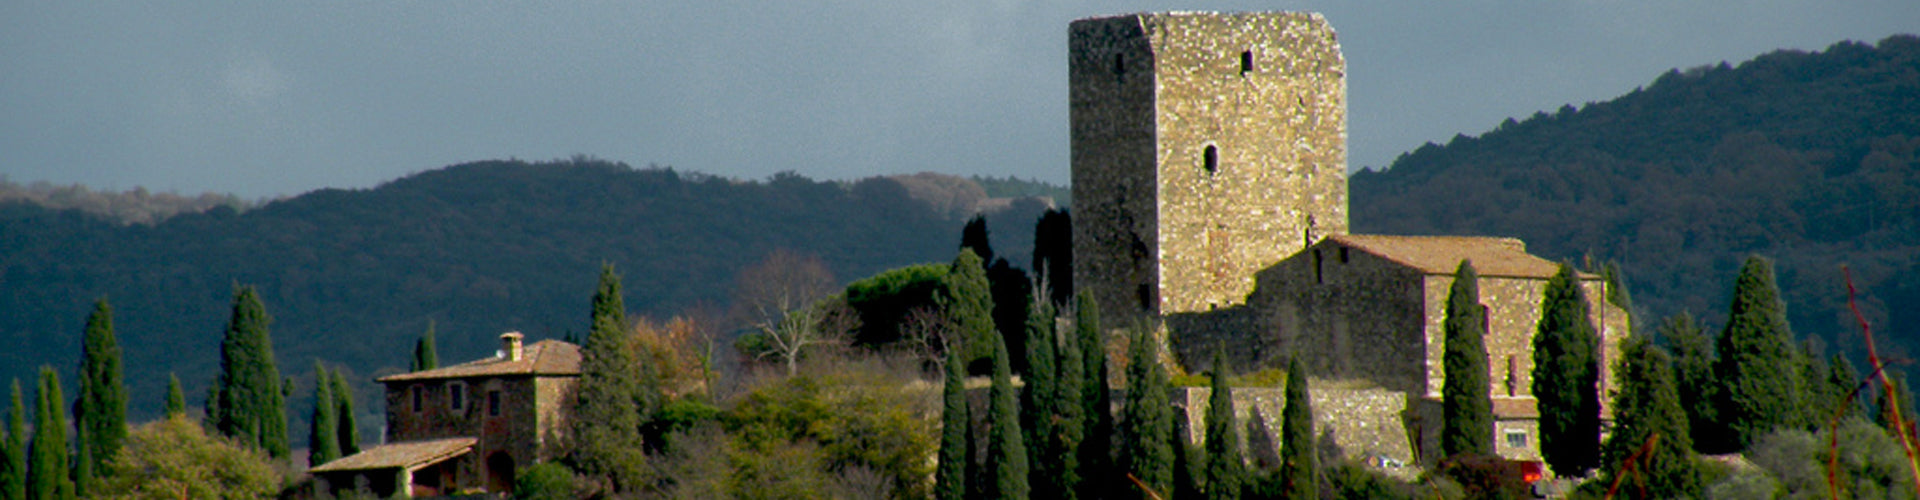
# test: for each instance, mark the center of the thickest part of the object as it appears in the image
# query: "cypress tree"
(1756, 366)
(48, 477)
(1844, 381)
(1069, 421)
(1299, 461)
(349, 431)
(323, 439)
(1096, 451)
(1617, 288)
(1146, 421)
(1647, 407)
(1189, 464)
(967, 301)
(606, 419)
(103, 395)
(1467, 402)
(1566, 377)
(1693, 362)
(950, 479)
(1053, 254)
(13, 471)
(973, 237)
(1006, 449)
(1226, 470)
(176, 399)
(425, 355)
(248, 404)
(1036, 403)
(1884, 402)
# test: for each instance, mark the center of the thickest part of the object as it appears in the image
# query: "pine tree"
(1299, 461)
(103, 396)
(425, 355)
(1467, 401)
(1096, 451)
(1069, 421)
(1756, 369)
(13, 471)
(1036, 399)
(606, 418)
(1146, 421)
(967, 301)
(1226, 470)
(323, 440)
(176, 399)
(48, 476)
(1647, 409)
(248, 402)
(950, 479)
(1006, 448)
(1844, 382)
(1566, 377)
(349, 431)
(1693, 362)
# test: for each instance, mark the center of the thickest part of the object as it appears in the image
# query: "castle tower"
(1206, 147)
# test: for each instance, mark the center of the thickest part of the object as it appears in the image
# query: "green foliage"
(1039, 400)
(1096, 451)
(1466, 398)
(967, 302)
(1226, 469)
(1844, 390)
(48, 476)
(544, 481)
(1566, 377)
(1053, 255)
(1885, 398)
(1146, 419)
(175, 458)
(1352, 481)
(13, 451)
(1649, 429)
(1485, 477)
(1299, 460)
(884, 300)
(1757, 369)
(608, 409)
(1069, 420)
(349, 430)
(248, 403)
(102, 408)
(1693, 362)
(1189, 462)
(323, 438)
(1012, 295)
(950, 479)
(974, 237)
(1870, 463)
(1006, 446)
(854, 417)
(176, 403)
(426, 356)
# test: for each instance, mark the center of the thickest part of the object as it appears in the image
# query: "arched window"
(1210, 159)
(1246, 62)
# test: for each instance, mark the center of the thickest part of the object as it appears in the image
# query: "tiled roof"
(546, 357)
(401, 455)
(1502, 257)
(1524, 407)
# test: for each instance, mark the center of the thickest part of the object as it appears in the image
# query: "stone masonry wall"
(1206, 147)
(1367, 424)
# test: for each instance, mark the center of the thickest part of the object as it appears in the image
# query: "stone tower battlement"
(1205, 148)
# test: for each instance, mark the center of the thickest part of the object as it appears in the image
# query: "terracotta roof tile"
(1502, 257)
(403, 454)
(1523, 407)
(546, 357)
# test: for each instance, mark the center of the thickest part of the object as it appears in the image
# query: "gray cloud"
(276, 98)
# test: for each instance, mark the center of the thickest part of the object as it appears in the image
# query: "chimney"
(510, 345)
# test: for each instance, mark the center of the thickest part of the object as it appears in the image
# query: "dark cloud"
(275, 98)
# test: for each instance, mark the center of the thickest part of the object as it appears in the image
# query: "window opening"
(493, 403)
(1210, 159)
(418, 400)
(1516, 438)
(457, 396)
(1343, 255)
(1318, 279)
(1120, 68)
(1512, 381)
(1246, 62)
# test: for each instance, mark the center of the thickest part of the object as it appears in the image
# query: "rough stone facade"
(1205, 147)
(1363, 423)
(517, 430)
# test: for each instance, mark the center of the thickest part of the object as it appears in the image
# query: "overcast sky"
(278, 98)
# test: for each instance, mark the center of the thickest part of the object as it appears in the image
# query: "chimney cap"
(512, 335)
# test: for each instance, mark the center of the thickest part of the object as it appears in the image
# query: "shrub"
(544, 481)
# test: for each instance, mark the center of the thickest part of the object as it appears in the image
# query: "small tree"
(102, 408)
(781, 298)
(1299, 460)
(13, 470)
(247, 403)
(1146, 422)
(1649, 453)
(426, 356)
(1566, 377)
(1006, 448)
(323, 440)
(349, 430)
(1069, 421)
(48, 474)
(950, 479)
(1037, 399)
(1760, 380)
(1226, 470)
(966, 298)
(1467, 402)
(1096, 455)
(176, 399)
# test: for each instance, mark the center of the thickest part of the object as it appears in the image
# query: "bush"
(175, 458)
(1870, 463)
(1352, 481)
(1486, 476)
(544, 481)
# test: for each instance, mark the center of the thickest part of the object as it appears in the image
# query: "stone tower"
(1206, 147)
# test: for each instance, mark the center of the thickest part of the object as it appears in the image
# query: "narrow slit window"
(1210, 159)
(457, 396)
(493, 403)
(1246, 62)
(419, 400)
(1318, 278)
(1120, 68)
(1343, 255)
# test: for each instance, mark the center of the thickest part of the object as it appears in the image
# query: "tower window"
(1343, 255)
(1246, 62)
(1210, 159)
(1120, 68)
(1318, 278)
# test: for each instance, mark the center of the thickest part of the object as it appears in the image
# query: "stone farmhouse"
(1209, 177)
(466, 427)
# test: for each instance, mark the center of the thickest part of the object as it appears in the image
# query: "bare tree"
(783, 299)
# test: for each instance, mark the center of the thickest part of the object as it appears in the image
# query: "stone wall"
(1205, 147)
(530, 422)
(1370, 425)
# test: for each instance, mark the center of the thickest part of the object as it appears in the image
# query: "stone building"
(465, 427)
(1209, 178)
